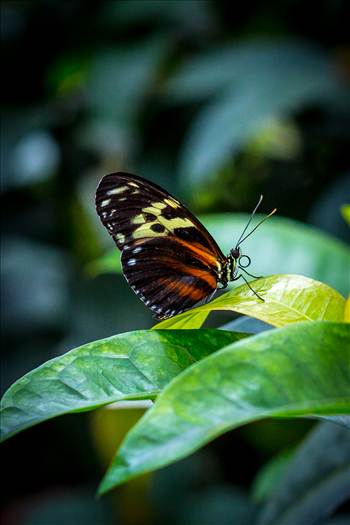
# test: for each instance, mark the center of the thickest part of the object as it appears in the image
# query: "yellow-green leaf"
(345, 211)
(347, 311)
(287, 299)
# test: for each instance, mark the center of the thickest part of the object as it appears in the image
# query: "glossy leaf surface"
(133, 365)
(287, 299)
(298, 370)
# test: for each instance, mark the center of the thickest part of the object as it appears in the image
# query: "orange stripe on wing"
(185, 290)
(205, 276)
(194, 272)
(200, 252)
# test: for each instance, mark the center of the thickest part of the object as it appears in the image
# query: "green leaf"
(347, 310)
(301, 369)
(270, 475)
(133, 365)
(315, 481)
(280, 246)
(287, 299)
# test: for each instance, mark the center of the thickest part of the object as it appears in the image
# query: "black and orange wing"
(169, 259)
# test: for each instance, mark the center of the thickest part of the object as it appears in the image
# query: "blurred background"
(217, 103)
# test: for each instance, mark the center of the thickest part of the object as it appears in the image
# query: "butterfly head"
(242, 261)
(236, 261)
(236, 253)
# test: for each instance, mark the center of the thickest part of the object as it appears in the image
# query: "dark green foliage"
(217, 102)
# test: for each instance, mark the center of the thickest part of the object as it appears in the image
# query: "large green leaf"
(315, 480)
(301, 369)
(280, 246)
(133, 365)
(287, 299)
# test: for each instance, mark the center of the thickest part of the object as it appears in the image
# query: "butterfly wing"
(168, 276)
(169, 259)
(132, 208)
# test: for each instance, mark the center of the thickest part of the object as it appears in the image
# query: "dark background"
(94, 87)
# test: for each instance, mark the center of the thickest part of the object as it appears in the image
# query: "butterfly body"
(169, 259)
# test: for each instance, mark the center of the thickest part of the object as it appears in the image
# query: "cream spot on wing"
(152, 209)
(115, 191)
(159, 205)
(120, 237)
(138, 219)
(145, 231)
(172, 203)
(105, 202)
(176, 222)
(133, 184)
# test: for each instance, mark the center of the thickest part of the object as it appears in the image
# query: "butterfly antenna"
(255, 227)
(250, 220)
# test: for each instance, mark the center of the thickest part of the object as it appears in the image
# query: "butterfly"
(168, 257)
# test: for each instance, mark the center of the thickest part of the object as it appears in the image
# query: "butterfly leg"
(247, 283)
(251, 275)
(209, 298)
